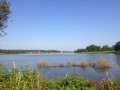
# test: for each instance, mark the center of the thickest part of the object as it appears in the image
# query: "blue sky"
(62, 24)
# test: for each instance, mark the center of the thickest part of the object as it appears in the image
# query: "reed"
(43, 64)
(68, 63)
(1, 64)
(109, 83)
(84, 64)
(61, 65)
(102, 63)
(27, 79)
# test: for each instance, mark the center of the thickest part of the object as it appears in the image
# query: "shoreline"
(31, 79)
(94, 52)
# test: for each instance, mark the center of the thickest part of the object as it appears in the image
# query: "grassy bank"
(117, 52)
(98, 52)
(27, 79)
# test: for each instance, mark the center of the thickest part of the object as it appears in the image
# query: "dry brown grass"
(102, 63)
(84, 64)
(1, 64)
(75, 65)
(68, 63)
(61, 65)
(43, 64)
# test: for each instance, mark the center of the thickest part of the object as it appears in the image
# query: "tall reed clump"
(102, 63)
(84, 64)
(109, 84)
(17, 79)
(43, 64)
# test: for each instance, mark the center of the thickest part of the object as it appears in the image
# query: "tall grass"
(27, 79)
(100, 65)
(1, 64)
(43, 64)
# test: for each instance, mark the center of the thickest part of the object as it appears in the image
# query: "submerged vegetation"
(27, 79)
(100, 65)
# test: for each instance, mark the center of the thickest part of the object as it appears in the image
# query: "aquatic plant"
(61, 65)
(68, 63)
(102, 63)
(43, 64)
(84, 64)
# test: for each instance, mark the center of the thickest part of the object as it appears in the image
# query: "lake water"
(61, 58)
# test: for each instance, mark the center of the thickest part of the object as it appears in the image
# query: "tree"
(105, 48)
(4, 15)
(80, 50)
(117, 46)
(93, 48)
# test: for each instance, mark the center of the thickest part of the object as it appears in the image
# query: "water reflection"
(118, 60)
(101, 70)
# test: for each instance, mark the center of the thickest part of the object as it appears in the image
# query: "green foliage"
(117, 46)
(80, 50)
(105, 48)
(19, 79)
(26, 79)
(95, 49)
(4, 12)
(27, 51)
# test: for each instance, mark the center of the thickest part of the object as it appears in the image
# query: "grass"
(100, 65)
(117, 52)
(99, 52)
(43, 64)
(84, 64)
(27, 79)
(1, 64)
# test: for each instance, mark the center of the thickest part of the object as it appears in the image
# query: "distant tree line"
(93, 47)
(27, 51)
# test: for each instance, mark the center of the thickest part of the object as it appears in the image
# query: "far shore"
(98, 52)
(93, 52)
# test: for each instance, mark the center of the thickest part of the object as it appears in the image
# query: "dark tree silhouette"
(117, 46)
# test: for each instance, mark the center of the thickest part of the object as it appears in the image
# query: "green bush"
(26, 79)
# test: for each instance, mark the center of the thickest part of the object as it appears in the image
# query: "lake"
(62, 58)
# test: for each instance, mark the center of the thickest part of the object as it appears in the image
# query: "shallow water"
(58, 58)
